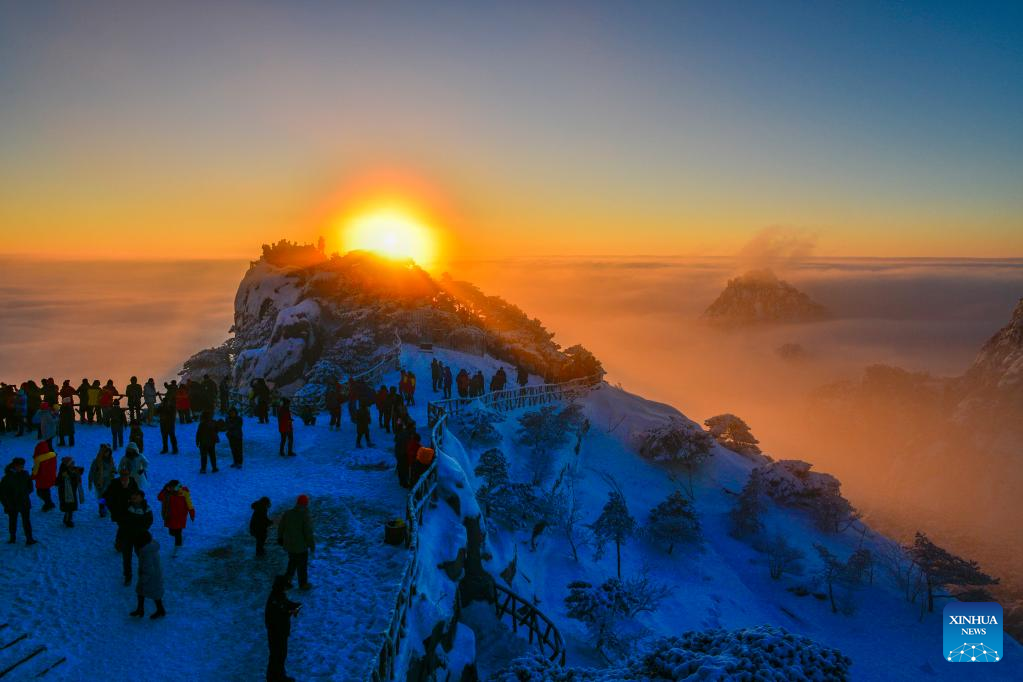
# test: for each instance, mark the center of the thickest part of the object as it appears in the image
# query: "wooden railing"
(540, 627)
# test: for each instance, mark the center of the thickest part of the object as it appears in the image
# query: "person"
(44, 472)
(286, 427)
(176, 509)
(225, 394)
(401, 439)
(94, 409)
(135, 523)
(261, 400)
(69, 489)
(362, 422)
(137, 465)
(149, 397)
(66, 422)
(403, 385)
(259, 524)
(101, 475)
(106, 401)
(46, 422)
(332, 401)
(277, 616)
(116, 420)
(383, 403)
(183, 403)
(136, 436)
(411, 388)
(436, 374)
(21, 410)
(462, 381)
(398, 409)
(134, 394)
(67, 391)
(233, 428)
(295, 534)
(150, 582)
(522, 377)
(447, 381)
(211, 392)
(411, 450)
(16, 498)
(168, 414)
(84, 411)
(206, 440)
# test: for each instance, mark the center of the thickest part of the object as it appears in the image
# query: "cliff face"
(302, 317)
(759, 297)
(994, 383)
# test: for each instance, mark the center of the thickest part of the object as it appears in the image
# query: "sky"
(201, 130)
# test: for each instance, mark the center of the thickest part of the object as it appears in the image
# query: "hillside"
(536, 481)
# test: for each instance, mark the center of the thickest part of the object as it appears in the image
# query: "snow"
(67, 591)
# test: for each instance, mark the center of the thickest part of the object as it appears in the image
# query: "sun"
(391, 232)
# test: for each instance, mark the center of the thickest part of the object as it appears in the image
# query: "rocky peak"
(760, 297)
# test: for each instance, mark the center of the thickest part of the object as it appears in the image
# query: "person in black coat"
(117, 423)
(168, 420)
(259, 524)
(16, 497)
(135, 522)
(206, 439)
(277, 616)
(261, 400)
(233, 428)
(362, 422)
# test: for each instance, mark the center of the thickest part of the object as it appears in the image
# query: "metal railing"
(523, 613)
(513, 398)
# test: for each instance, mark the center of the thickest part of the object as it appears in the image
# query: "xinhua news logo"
(972, 632)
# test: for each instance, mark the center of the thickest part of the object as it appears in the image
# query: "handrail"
(547, 634)
(514, 398)
(525, 613)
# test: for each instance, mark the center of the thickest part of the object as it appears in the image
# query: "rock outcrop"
(759, 297)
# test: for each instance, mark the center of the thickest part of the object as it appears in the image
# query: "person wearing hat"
(137, 464)
(44, 472)
(117, 421)
(150, 582)
(295, 534)
(66, 422)
(259, 523)
(47, 421)
(16, 498)
(277, 616)
(69, 489)
(101, 475)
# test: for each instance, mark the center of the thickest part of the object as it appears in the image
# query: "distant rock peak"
(759, 297)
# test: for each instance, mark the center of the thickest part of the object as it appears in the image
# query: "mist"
(111, 319)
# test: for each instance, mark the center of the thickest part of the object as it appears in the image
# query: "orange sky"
(679, 130)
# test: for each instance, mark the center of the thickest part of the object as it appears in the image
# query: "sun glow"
(391, 232)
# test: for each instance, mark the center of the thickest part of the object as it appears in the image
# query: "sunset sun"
(389, 232)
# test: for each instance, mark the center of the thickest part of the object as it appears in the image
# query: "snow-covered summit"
(300, 314)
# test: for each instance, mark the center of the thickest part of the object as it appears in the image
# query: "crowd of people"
(50, 414)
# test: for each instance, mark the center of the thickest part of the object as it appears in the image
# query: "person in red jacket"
(184, 404)
(177, 509)
(44, 472)
(411, 450)
(285, 426)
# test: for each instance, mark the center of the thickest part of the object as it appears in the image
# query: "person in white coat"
(137, 465)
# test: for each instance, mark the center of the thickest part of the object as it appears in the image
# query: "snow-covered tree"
(782, 557)
(673, 520)
(837, 573)
(678, 442)
(579, 363)
(749, 508)
(493, 470)
(733, 433)
(944, 570)
(543, 432)
(791, 482)
(476, 428)
(615, 524)
(606, 608)
(906, 575)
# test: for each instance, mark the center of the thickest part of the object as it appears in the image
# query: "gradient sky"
(203, 129)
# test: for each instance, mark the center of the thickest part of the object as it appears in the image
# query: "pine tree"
(678, 442)
(673, 520)
(733, 433)
(543, 432)
(782, 557)
(942, 569)
(615, 524)
(749, 507)
(493, 469)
